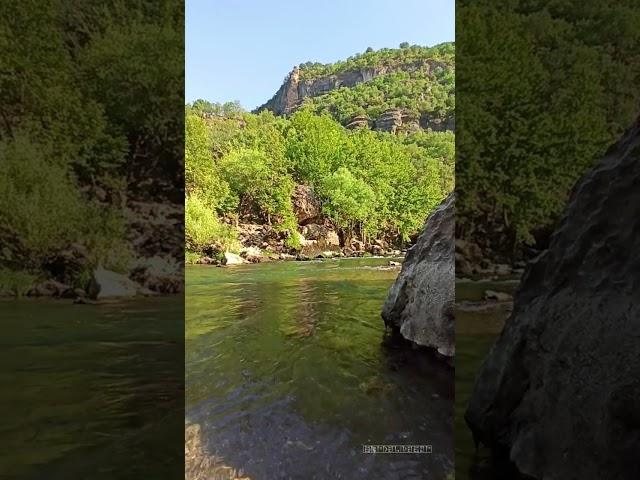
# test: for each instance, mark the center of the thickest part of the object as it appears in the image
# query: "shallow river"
(91, 390)
(289, 373)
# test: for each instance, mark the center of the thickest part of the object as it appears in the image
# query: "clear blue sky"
(243, 49)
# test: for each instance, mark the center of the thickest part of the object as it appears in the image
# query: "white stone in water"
(108, 284)
(232, 259)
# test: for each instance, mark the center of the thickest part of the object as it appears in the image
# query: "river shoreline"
(253, 258)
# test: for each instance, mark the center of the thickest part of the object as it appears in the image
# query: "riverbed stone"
(48, 288)
(252, 254)
(232, 259)
(559, 393)
(420, 302)
(323, 235)
(497, 296)
(161, 274)
(200, 464)
(108, 284)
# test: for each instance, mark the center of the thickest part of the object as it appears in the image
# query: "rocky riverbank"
(317, 236)
(150, 262)
(472, 262)
(262, 243)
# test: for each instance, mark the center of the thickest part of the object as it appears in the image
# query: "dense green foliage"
(385, 57)
(420, 80)
(74, 135)
(545, 87)
(245, 168)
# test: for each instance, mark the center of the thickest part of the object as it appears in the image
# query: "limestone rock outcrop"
(306, 206)
(420, 302)
(437, 123)
(390, 120)
(294, 89)
(559, 392)
(395, 120)
(359, 121)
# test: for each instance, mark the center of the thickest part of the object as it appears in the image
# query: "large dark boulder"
(559, 393)
(420, 302)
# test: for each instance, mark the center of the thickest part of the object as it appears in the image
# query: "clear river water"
(289, 372)
(91, 391)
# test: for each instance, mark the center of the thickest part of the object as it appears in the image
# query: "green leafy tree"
(315, 146)
(258, 187)
(349, 200)
(202, 176)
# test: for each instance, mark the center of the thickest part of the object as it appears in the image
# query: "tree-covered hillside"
(402, 58)
(243, 168)
(419, 81)
(78, 141)
(416, 93)
(561, 85)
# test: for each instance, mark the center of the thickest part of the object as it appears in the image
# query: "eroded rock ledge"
(420, 302)
(559, 393)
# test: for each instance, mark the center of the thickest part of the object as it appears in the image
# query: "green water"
(476, 332)
(88, 391)
(289, 372)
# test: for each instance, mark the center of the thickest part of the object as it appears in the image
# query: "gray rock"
(108, 284)
(359, 121)
(73, 293)
(559, 392)
(48, 288)
(322, 234)
(252, 254)
(389, 121)
(502, 269)
(420, 302)
(294, 89)
(317, 239)
(306, 205)
(207, 261)
(159, 274)
(232, 259)
(497, 296)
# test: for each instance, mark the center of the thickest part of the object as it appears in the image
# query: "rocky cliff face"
(560, 390)
(420, 302)
(294, 89)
